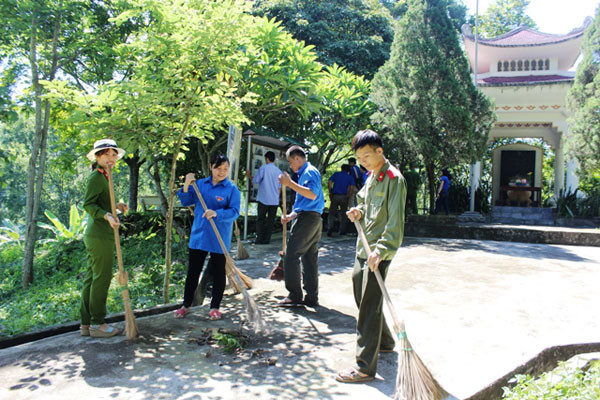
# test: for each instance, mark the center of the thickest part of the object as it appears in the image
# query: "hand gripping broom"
(131, 328)
(414, 381)
(235, 276)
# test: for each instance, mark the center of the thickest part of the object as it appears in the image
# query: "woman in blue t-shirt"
(223, 207)
(443, 191)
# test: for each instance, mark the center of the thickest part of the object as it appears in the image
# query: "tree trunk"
(134, 165)
(430, 169)
(169, 227)
(164, 203)
(37, 161)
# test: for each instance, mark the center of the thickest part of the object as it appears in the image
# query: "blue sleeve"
(312, 181)
(331, 178)
(259, 176)
(352, 180)
(232, 211)
(189, 198)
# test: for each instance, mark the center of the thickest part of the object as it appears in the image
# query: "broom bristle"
(253, 313)
(131, 328)
(242, 254)
(414, 381)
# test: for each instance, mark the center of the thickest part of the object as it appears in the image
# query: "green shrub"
(566, 382)
(59, 268)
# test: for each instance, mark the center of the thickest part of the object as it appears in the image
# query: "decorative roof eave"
(493, 42)
(484, 84)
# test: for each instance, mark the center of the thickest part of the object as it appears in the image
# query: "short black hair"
(352, 160)
(269, 155)
(295, 151)
(219, 159)
(346, 168)
(366, 137)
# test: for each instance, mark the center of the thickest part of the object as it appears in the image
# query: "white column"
(474, 178)
(572, 178)
(559, 168)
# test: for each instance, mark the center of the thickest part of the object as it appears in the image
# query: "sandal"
(102, 331)
(180, 313)
(215, 314)
(287, 302)
(352, 375)
(84, 330)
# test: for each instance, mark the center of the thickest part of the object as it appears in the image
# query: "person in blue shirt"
(267, 179)
(222, 200)
(306, 230)
(443, 191)
(341, 187)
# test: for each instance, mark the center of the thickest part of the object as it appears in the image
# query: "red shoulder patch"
(391, 173)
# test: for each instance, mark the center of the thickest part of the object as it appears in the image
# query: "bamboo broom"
(131, 328)
(252, 311)
(414, 381)
(242, 254)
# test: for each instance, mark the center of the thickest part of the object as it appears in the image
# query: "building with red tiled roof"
(527, 74)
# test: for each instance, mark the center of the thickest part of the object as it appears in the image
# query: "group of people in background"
(374, 194)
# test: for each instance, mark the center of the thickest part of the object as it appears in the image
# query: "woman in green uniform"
(99, 240)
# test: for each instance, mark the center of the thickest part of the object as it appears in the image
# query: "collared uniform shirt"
(224, 199)
(267, 179)
(381, 202)
(341, 182)
(97, 204)
(310, 177)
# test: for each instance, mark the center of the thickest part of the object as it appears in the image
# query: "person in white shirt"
(269, 190)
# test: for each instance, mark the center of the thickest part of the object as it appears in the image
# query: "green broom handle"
(398, 326)
(212, 223)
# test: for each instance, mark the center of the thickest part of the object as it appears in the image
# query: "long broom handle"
(283, 196)
(398, 325)
(113, 207)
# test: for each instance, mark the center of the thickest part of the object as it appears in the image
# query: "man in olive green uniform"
(413, 182)
(380, 210)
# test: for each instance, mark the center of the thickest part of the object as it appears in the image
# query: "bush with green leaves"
(77, 225)
(60, 266)
(567, 382)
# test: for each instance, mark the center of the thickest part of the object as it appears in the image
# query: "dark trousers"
(303, 245)
(411, 202)
(337, 210)
(265, 222)
(443, 202)
(216, 264)
(372, 330)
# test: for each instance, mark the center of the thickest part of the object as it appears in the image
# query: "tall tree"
(42, 39)
(356, 34)
(503, 16)
(584, 104)
(425, 93)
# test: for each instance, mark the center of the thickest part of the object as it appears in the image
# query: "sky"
(551, 16)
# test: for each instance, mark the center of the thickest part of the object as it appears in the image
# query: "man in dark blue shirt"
(341, 188)
(306, 230)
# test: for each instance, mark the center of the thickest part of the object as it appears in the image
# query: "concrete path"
(474, 310)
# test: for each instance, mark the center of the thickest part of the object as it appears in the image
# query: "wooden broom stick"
(413, 381)
(131, 328)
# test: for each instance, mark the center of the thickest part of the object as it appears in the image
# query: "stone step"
(522, 215)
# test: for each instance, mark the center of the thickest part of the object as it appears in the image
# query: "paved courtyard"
(474, 310)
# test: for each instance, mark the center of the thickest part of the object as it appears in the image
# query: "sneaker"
(215, 314)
